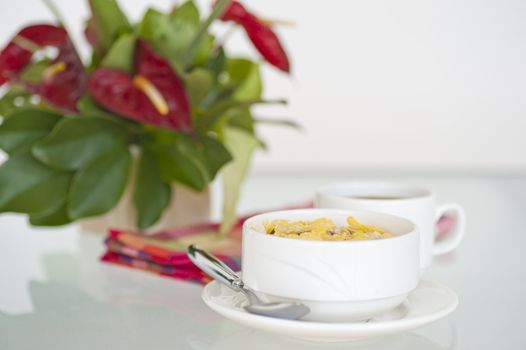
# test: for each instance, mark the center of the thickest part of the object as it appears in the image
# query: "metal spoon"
(224, 274)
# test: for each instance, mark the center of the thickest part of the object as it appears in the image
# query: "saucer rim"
(401, 324)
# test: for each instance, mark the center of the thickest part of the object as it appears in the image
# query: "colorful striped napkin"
(165, 253)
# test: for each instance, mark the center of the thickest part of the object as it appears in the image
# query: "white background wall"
(397, 86)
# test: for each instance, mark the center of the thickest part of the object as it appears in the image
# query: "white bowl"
(338, 280)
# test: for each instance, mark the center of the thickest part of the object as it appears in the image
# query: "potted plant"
(160, 106)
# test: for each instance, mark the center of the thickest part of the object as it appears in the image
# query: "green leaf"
(246, 75)
(98, 187)
(121, 54)
(180, 161)
(213, 154)
(218, 95)
(16, 97)
(24, 127)
(149, 26)
(152, 194)
(204, 50)
(186, 13)
(198, 84)
(74, 142)
(109, 21)
(157, 29)
(241, 118)
(241, 145)
(88, 108)
(218, 111)
(55, 217)
(49, 194)
(28, 186)
(171, 34)
(34, 72)
(240, 88)
(280, 122)
(94, 61)
(205, 153)
(217, 63)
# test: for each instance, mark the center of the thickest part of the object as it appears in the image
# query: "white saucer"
(429, 302)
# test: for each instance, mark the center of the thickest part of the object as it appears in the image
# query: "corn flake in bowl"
(323, 229)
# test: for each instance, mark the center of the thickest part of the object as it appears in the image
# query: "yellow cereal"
(324, 229)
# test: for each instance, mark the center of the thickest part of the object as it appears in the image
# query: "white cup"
(410, 202)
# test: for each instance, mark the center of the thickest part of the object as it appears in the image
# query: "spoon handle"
(215, 267)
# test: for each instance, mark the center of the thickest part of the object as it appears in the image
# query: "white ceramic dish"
(429, 302)
(338, 280)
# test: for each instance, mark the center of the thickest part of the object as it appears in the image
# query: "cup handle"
(454, 237)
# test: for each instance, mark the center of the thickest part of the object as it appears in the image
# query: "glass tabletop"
(54, 292)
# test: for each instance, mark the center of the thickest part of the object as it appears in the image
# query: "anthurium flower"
(63, 81)
(152, 94)
(260, 34)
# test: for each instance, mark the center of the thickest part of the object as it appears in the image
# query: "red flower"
(63, 81)
(153, 94)
(261, 35)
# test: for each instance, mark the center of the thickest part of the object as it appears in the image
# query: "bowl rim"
(247, 229)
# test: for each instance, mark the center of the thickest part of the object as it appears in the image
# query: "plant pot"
(186, 207)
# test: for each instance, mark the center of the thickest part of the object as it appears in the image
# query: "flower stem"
(201, 32)
(54, 10)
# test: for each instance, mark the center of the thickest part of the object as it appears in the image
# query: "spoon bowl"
(289, 311)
